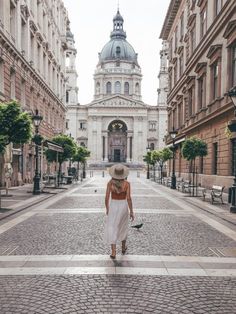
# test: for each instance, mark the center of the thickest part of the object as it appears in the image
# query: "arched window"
(108, 88)
(126, 88)
(97, 88)
(137, 89)
(117, 87)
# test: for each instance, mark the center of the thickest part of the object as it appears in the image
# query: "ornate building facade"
(117, 126)
(202, 69)
(162, 94)
(32, 71)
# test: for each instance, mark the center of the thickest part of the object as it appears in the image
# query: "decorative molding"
(213, 50)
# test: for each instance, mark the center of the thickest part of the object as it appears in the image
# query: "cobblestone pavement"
(53, 258)
(117, 294)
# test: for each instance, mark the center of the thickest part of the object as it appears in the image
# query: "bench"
(216, 192)
(185, 186)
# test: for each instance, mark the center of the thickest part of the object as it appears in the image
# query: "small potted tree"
(192, 148)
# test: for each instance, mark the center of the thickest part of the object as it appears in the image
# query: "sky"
(91, 24)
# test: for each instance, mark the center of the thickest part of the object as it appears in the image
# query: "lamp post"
(173, 134)
(37, 120)
(232, 128)
(148, 168)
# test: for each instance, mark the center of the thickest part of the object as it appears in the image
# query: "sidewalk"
(219, 210)
(21, 197)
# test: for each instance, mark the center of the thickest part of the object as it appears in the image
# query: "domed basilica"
(117, 126)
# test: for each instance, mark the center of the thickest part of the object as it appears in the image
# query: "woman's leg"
(113, 251)
(124, 247)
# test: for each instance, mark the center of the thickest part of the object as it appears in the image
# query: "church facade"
(117, 126)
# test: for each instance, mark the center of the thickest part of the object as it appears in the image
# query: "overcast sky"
(91, 23)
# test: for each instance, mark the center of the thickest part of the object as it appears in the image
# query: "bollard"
(138, 174)
(103, 174)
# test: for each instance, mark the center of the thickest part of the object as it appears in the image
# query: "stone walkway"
(53, 258)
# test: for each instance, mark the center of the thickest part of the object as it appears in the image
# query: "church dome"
(118, 47)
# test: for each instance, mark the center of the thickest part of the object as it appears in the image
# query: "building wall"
(32, 66)
(200, 75)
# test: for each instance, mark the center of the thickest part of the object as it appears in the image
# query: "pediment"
(117, 102)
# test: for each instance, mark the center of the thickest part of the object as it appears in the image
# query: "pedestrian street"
(53, 258)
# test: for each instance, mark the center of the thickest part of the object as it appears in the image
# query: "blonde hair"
(116, 185)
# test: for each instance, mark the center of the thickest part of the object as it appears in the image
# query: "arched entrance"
(117, 141)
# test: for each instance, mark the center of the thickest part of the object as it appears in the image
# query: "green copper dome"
(118, 48)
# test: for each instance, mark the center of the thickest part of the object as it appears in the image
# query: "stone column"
(106, 148)
(128, 149)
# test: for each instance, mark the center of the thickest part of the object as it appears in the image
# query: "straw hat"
(119, 172)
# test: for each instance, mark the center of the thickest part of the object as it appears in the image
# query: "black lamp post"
(173, 134)
(148, 168)
(232, 128)
(37, 120)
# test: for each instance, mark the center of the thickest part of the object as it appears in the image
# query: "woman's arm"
(130, 203)
(107, 198)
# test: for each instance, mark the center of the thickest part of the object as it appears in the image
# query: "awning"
(54, 146)
(180, 140)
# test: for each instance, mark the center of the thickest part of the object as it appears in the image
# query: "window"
(182, 26)
(181, 64)
(233, 157)
(137, 89)
(1, 76)
(12, 84)
(192, 39)
(215, 74)
(215, 158)
(152, 126)
(170, 80)
(171, 48)
(67, 96)
(118, 52)
(152, 146)
(126, 89)
(218, 6)
(203, 18)
(13, 21)
(108, 88)
(233, 52)
(176, 38)
(190, 102)
(202, 91)
(22, 96)
(117, 87)
(39, 56)
(82, 125)
(175, 73)
(180, 115)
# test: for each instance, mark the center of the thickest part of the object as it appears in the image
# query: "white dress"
(116, 228)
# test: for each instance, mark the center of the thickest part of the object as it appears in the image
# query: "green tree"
(81, 156)
(15, 125)
(192, 148)
(69, 146)
(161, 156)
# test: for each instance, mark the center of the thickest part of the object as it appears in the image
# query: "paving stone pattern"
(82, 233)
(117, 294)
(146, 202)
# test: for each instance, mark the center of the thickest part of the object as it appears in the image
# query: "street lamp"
(232, 128)
(37, 120)
(148, 149)
(173, 134)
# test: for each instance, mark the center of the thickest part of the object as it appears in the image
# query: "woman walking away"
(117, 201)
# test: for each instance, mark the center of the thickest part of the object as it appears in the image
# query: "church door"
(117, 141)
